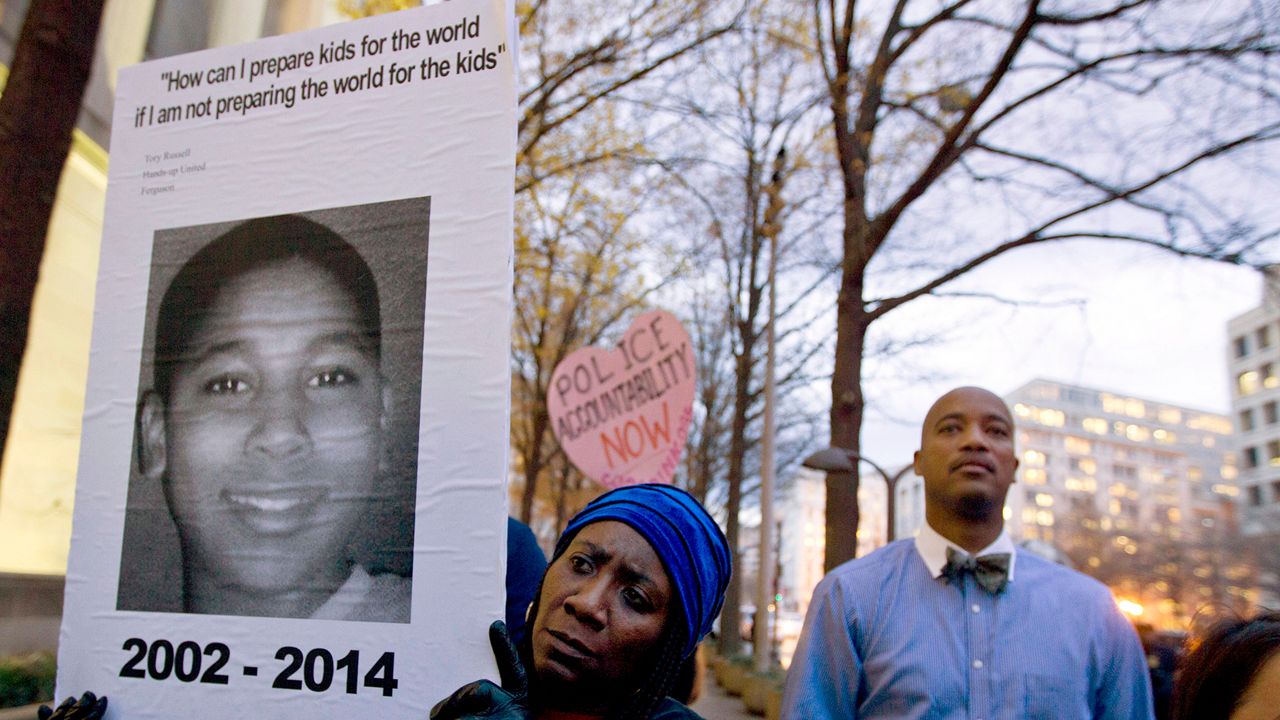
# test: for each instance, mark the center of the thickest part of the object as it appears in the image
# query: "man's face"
(966, 454)
(272, 434)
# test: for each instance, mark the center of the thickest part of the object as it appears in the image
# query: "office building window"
(1097, 426)
(1264, 336)
(1255, 495)
(1247, 383)
(1251, 457)
(1077, 445)
(1269, 413)
(1241, 346)
(1085, 465)
(1246, 420)
(178, 27)
(1273, 452)
(1275, 491)
(1268, 373)
(1081, 397)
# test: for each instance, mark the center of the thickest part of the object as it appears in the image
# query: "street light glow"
(1129, 607)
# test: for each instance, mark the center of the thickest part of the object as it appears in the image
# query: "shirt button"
(976, 609)
(977, 664)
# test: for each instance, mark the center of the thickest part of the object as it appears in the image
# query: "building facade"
(1138, 493)
(1253, 356)
(802, 542)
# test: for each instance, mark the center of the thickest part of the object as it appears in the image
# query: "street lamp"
(835, 459)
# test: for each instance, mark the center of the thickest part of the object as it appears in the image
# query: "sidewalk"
(716, 704)
(28, 712)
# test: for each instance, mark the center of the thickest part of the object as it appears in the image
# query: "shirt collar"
(933, 549)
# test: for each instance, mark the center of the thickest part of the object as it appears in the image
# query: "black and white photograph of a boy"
(277, 424)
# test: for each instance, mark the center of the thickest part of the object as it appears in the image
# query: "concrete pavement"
(28, 712)
(716, 704)
(713, 704)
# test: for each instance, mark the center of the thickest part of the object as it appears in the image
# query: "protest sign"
(291, 495)
(622, 416)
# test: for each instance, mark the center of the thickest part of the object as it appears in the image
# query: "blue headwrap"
(685, 537)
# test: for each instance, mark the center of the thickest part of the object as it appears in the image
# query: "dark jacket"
(669, 709)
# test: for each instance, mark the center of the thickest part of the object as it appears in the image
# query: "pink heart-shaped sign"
(623, 415)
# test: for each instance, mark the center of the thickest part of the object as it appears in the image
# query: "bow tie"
(991, 571)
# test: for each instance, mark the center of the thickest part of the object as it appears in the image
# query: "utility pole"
(761, 647)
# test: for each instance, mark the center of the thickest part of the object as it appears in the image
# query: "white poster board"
(291, 499)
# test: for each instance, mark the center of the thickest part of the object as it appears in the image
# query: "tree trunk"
(853, 136)
(534, 461)
(38, 111)
(731, 615)
(563, 479)
(842, 515)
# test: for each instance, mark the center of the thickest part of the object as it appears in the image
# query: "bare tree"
(706, 450)
(1111, 120)
(578, 274)
(745, 108)
(581, 173)
(587, 62)
(581, 179)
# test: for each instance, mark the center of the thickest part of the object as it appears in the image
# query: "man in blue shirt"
(939, 626)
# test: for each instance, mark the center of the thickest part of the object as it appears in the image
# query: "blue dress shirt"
(885, 637)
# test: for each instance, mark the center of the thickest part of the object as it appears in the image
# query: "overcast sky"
(1135, 321)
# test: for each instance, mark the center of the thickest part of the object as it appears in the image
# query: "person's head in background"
(1233, 673)
(636, 581)
(265, 424)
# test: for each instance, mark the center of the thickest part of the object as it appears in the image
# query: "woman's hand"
(483, 699)
(88, 707)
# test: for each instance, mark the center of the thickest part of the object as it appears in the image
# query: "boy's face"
(270, 442)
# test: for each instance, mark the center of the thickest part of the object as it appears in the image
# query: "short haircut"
(248, 246)
(1212, 679)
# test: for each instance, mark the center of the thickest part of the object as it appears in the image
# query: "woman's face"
(601, 615)
(271, 438)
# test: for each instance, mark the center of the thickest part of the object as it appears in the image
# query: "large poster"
(291, 492)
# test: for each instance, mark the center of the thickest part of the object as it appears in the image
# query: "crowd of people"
(954, 623)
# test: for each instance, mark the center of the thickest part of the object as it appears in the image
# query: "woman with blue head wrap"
(635, 583)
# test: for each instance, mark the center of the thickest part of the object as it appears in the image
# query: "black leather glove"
(483, 699)
(88, 707)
